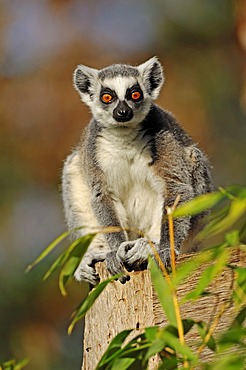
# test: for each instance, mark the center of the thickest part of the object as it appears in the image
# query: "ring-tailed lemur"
(133, 160)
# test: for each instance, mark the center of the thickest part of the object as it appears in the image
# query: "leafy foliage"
(13, 365)
(229, 210)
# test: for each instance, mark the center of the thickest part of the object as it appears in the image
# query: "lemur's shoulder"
(160, 122)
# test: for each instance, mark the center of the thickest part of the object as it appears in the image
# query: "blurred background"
(202, 45)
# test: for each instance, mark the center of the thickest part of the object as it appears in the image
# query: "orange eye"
(106, 98)
(136, 95)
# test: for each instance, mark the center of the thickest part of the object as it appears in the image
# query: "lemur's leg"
(81, 219)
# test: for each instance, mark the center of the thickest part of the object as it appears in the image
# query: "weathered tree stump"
(135, 305)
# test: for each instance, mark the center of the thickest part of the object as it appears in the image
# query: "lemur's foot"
(165, 255)
(134, 254)
(115, 266)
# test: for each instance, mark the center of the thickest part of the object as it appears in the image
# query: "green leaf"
(239, 292)
(174, 343)
(85, 240)
(157, 346)
(55, 265)
(231, 337)
(72, 258)
(203, 330)
(20, 365)
(169, 363)
(164, 292)
(157, 338)
(239, 319)
(13, 365)
(67, 273)
(234, 191)
(210, 272)
(151, 332)
(113, 347)
(135, 349)
(195, 262)
(236, 211)
(122, 363)
(232, 238)
(168, 337)
(198, 204)
(88, 302)
(228, 362)
(48, 250)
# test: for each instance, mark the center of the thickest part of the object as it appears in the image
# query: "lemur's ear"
(83, 78)
(152, 75)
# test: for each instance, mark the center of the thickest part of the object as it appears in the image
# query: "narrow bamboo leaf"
(196, 261)
(20, 365)
(88, 302)
(79, 246)
(232, 238)
(236, 211)
(49, 249)
(217, 215)
(235, 191)
(231, 337)
(122, 363)
(198, 204)
(228, 362)
(140, 338)
(239, 292)
(138, 351)
(151, 332)
(169, 363)
(203, 330)
(67, 273)
(116, 349)
(63, 257)
(239, 319)
(13, 365)
(210, 273)
(164, 292)
(174, 343)
(157, 346)
(55, 265)
(72, 258)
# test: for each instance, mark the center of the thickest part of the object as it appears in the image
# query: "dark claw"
(136, 266)
(123, 279)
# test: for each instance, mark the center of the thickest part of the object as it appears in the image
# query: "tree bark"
(135, 305)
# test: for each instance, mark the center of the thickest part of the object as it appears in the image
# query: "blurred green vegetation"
(202, 46)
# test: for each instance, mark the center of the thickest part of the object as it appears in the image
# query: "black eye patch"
(107, 91)
(134, 93)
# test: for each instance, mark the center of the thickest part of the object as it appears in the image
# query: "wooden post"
(135, 305)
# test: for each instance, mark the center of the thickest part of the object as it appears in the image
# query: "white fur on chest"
(136, 190)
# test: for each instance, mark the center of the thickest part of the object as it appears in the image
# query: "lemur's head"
(120, 94)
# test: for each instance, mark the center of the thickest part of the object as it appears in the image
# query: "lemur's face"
(120, 95)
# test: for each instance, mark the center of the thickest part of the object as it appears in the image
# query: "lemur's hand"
(87, 272)
(115, 267)
(134, 254)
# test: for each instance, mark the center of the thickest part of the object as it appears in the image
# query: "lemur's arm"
(190, 178)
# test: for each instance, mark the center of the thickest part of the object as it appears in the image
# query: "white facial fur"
(148, 76)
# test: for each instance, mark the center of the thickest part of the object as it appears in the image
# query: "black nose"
(122, 113)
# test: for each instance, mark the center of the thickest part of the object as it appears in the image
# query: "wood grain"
(135, 305)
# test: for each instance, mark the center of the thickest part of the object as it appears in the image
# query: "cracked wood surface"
(135, 305)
